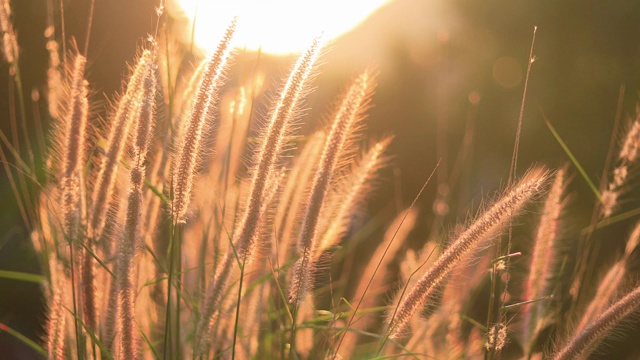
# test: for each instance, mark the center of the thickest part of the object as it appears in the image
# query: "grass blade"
(573, 159)
(21, 276)
(25, 340)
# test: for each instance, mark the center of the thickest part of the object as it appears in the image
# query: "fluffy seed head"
(350, 110)
(124, 118)
(9, 43)
(582, 342)
(631, 146)
(484, 227)
(185, 162)
(73, 150)
(497, 337)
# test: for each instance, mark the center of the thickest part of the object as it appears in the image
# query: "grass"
(159, 241)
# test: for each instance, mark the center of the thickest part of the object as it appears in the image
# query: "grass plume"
(177, 235)
(353, 104)
(490, 222)
(201, 112)
(580, 344)
(143, 110)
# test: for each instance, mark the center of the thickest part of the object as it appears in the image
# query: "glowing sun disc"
(278, 26)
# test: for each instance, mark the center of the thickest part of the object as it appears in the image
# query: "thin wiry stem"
(394, 239)
(512, 175)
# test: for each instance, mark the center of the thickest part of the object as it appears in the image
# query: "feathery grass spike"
(185, 162)
(74, 149)
(356, 184)
(350, 111)
(580, 344)
(119, 131)
(540, 273)
(144, 115)
(491, 221)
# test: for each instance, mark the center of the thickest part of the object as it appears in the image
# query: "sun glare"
(276, 26)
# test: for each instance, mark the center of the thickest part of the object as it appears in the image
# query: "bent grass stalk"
(487, 225)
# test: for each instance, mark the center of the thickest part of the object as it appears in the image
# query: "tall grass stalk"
(144, 117)
(486, 226)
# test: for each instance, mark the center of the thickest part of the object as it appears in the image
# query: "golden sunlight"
(277, 26)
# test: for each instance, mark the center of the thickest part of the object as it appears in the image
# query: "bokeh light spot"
(507, 72)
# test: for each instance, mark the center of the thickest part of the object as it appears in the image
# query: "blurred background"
(450, 86)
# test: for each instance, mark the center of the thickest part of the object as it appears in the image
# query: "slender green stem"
(178, 251)
(488, 355)
(73, 296)
(292, 343)
(167, 318)
(22, 276)
(235, 326)
(574, 160)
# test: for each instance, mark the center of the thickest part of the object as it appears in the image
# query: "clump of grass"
(232, 274)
